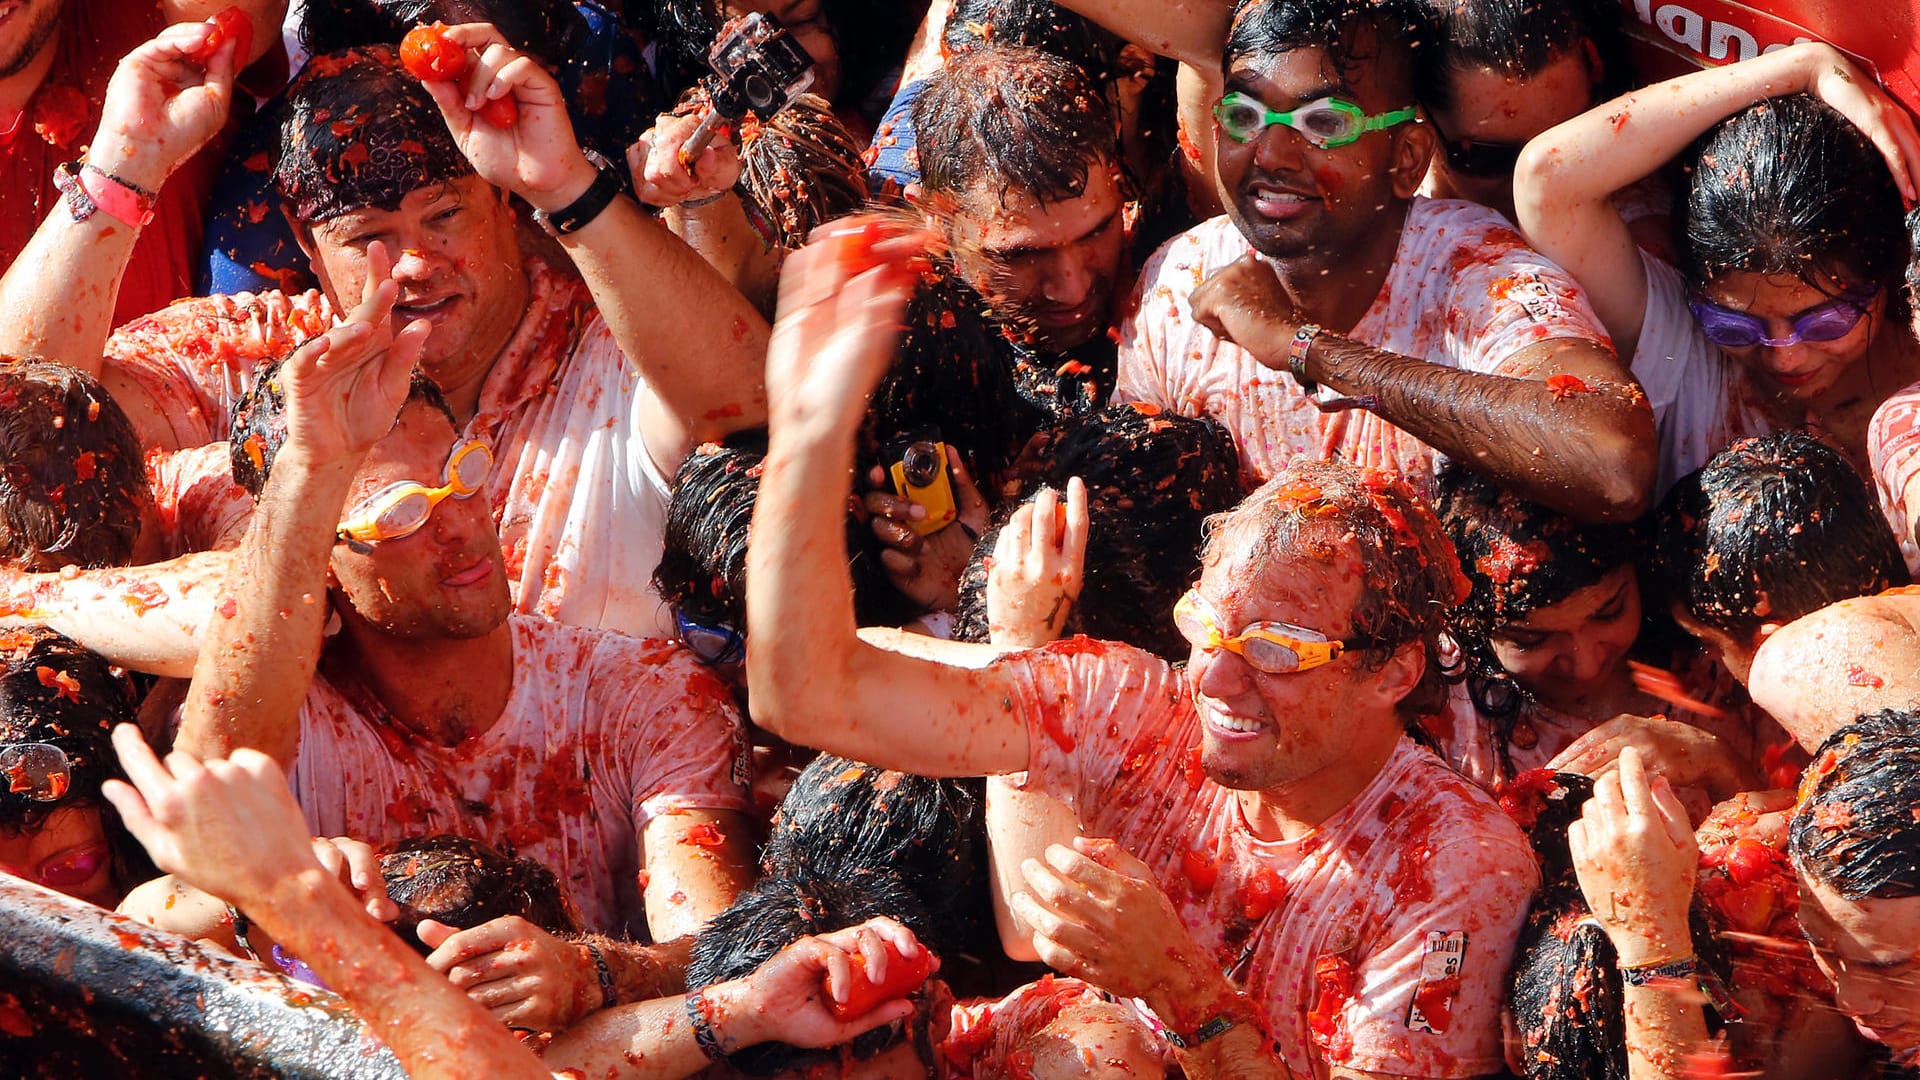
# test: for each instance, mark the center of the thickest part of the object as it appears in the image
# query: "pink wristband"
(117, 198)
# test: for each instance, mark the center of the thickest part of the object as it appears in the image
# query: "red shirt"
(61, 118)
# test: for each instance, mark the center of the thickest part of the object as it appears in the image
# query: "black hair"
(1518, 556)
(548, 29)
(1913, 262)
(802, 169)
(1016, 119)
(776, 912)
(844, 820)
(1772, 528)
(1564, 991)
(54, 691)
(1033, 24)
(1789, 186)
(1856, 828)
(73, 480)
(1519, 39)
(464, 882)
(1153, 480)
(703, 562)
(259, 425)
(1402, 31)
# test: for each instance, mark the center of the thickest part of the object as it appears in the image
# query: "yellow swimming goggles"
(1276, 648)
(401, 509)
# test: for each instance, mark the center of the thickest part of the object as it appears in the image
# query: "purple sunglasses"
(1830, 321)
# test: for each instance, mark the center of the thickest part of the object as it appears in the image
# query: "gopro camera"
(920, 476)
(758, 68)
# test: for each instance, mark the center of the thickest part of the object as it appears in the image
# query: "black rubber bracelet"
(703, 1033)
(1206, 1032)
(581, 212)
(608, 998)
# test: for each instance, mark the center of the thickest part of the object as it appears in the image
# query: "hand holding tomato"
(167, 98)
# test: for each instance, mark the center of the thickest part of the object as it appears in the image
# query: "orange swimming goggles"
(1276, 648)
(401, 509)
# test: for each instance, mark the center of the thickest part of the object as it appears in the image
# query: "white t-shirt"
(600, 733)
(1893, 446)
(1380, 941)
(580, 503)
(1702, 401)
(1464, 291)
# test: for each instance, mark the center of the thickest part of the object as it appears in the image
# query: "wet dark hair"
(548, 29)
(1789, 187)
(776, 912)
(1401, 30)
(52, 690)
(73, 480)
(1312, 508)
(356, 131)
(1913, 262)
(802, 169)
(1519, 39)
(703, 564)
(1772, 528)
(259, 424)
(844, 820)
(1518, 556)
(1856, 829)
(1152, 481)
(1033, 24)
(464, 882)
(1564, 991)
(1016, 119)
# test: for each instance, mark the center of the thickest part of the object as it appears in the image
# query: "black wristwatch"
(580, 213)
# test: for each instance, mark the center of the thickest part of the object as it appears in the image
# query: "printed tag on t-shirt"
(1432, 1009)
(1537, 298)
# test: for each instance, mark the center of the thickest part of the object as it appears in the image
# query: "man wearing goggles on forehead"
(1340, 314)
(616, 762)
(1274, 839)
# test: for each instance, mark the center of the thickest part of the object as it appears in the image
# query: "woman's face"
(1565, 652)
(1807, 369)
(68, 853)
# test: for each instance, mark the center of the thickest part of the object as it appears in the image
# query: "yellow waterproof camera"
(920, 476)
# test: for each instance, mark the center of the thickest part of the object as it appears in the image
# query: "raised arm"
(696, 340)
(1567, 427)
(1567, 175)
(342, 390)
(161, 106)
(146, 618)
(812, 680)
(230, 827)
(1193, 32)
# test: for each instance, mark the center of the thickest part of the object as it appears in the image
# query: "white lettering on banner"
(1709, 29)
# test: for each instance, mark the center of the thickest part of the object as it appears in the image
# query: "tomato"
(1200, 869)
(428, 55)
(230, 24)
(1262, 893)
(500, 112)
(1748, 861)
(904, 973)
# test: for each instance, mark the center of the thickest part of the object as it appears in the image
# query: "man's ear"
(1414, 145)
(1403, 671)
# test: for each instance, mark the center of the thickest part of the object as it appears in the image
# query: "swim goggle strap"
(1276, 648)
(401, 509)
(1328, 123)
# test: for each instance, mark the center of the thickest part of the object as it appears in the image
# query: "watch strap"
(581, 212)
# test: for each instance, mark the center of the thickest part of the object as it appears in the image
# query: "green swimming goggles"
(1327, 123)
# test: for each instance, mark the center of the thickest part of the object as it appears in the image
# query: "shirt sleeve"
(1893, 445)
(1158, 304)
(1427, 1001)
(1510, 297)
(676, 720)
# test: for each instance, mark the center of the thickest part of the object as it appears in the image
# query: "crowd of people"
(1062, 539)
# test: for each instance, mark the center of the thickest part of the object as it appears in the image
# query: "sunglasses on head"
(401, 509)
(712, 643)
(1328, 123)
(1481, 159)
(1830, 321)
(1276, 648)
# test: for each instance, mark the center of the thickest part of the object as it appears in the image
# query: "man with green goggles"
(1328, 123)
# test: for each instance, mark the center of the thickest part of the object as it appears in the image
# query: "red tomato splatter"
(63, 684)
(1525, 796)
(1434, 999)
(1201, 870)
(1564, 386)
(706, 834)
(1748, 861)
(1263, 892)
(1333, 987)
(1859, 676)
